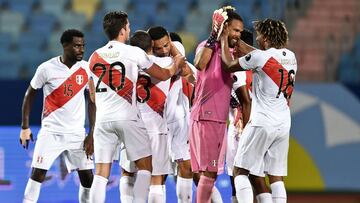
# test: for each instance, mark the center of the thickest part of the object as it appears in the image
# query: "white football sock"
(157, 194)
(84, 194)
(141, 186)
(98, 189)
(278, 192)
(184, 189)
(264, 198)
(32, 191)
(244, 193)
(126, 187)
(216, 196)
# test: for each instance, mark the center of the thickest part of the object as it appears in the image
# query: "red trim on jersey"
(65, 92)
(157, 97)
(188, 89)
(277, 73)
(249, 80)
(172, 80)
(127, 91)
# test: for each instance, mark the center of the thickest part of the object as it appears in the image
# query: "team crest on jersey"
(79, 79)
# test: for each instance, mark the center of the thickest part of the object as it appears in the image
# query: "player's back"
(151, 92)
(273, 81)
(115, 72)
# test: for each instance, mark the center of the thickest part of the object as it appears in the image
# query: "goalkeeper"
(211, 103)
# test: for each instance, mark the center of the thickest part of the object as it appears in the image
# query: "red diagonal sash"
(280, 76)
(127, 90)
(157, 97)
(188, 90)
(65, 92)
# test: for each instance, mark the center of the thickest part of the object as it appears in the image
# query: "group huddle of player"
(160, 115)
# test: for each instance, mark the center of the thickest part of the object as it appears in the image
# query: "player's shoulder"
(161, 61)
(54, 61)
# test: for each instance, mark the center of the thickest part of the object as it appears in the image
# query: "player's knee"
(209, 174)
(86, 178)
(38, 175)
(259, 184)
(144, 163)
(239, 171)
(185, 169)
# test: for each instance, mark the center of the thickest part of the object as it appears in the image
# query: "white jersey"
(115, 69)
(175, 107)
(273, 80)
(64, 100)
(152, 94)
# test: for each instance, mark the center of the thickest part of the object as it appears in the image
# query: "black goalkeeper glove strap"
(210, 42)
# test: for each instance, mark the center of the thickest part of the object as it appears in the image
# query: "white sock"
(233, 199)
(184, 189)
(141, 186)
(244, 193)
(32, 191)
(216, 196)
(278, 192)
(98, 189)
(157, 194)
(84, 194)
(264, 198)
(126, 187)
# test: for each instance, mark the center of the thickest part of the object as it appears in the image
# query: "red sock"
(205, 186)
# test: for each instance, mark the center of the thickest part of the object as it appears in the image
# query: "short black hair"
(247, 36)
(157, 32)
(141, 39)
(175, 37)
(113, 22)
(67, 35)
(232, 15)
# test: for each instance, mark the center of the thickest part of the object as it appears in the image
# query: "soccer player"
(264, 143)
(176, 112)
(210, 110)
(63, 79)
(152, 95)
(239, 113)
(179, 142)
(115, 69)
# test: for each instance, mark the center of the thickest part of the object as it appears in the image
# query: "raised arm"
(25, 133)
(228, 63)
(166, 73)
(205, 53)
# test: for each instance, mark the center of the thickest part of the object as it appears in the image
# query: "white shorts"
(158, 133)
(264, 150)
(109, 135)
(179, 139)
(231, 148)
(125, 163)
(50, 145)
(156, 128)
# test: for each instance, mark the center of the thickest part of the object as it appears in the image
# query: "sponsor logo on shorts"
(208, 112)
(214, 163)
(39, 159)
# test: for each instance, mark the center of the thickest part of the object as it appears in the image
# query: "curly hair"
(274, 30)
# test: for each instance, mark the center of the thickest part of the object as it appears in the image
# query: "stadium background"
(324, 159)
